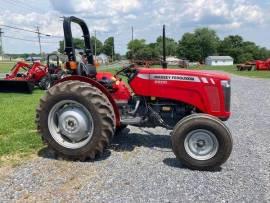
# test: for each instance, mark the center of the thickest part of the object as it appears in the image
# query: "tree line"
(196, 46)
(107, 47)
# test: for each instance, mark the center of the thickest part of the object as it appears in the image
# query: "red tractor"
(23, 76)
(263, 65)
(79, 115)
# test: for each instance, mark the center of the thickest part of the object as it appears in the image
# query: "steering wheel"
(126, 70)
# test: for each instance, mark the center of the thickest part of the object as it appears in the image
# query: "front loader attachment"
(21, 86)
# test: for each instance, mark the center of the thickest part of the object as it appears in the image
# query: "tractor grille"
(213, 96)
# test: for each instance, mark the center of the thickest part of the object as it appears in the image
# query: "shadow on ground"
(125, 141)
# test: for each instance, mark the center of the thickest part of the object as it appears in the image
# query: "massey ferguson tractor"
(78, 116)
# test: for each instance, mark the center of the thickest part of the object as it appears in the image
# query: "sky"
(248, 18)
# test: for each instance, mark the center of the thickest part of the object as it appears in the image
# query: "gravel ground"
(140, 167)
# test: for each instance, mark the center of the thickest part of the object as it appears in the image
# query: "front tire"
(201, 142)
(45, 83)
(76, 120)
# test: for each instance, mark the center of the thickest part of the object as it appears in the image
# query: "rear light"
(226, 86)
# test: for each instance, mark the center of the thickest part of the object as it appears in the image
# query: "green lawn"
(5, 67)
(18, 134)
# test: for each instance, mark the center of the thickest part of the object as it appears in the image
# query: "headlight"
(225, 83)
(226, 86)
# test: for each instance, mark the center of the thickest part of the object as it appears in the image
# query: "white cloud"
(130, 16)
(231, 14)
(117, 16)
(96, 8)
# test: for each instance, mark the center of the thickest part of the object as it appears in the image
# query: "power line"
(27, 40)
(26, 30)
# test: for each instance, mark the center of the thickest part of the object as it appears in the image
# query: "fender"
(100, 87)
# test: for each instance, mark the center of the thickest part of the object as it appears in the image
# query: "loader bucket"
(22, 86)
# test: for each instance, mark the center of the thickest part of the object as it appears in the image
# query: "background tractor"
(79, 115)
(23, 77)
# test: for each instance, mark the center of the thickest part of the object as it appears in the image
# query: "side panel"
(204, 93)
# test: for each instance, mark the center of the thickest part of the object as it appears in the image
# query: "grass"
(18, 135)
(5, 67)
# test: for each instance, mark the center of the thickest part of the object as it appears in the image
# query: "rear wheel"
(76, 120)
(201, 142)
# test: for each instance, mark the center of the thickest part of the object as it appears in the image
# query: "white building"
(102, 58)
(172, 60)
(219, 61)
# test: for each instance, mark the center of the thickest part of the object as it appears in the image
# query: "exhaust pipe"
(164, 63)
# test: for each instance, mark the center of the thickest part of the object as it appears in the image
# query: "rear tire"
(121, 128)
(201, 142)
(88, 102)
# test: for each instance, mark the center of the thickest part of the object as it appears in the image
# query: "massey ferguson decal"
(167, 77)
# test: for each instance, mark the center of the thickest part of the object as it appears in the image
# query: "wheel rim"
(70, 124)
(48, 85)
(201, 144)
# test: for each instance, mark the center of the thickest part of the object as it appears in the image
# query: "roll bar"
(51, 55)
(69, 45)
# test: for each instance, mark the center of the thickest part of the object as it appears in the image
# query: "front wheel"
(201, 142)
(45, 83)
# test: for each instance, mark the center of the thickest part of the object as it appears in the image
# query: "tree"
(134, 46)
(198, 45)
(139, 50)
(189, 48)
(171, 46)
(79, 44)
(245, 57)
(241, 50)
(108, 47)
(232, 46)
(99, 45)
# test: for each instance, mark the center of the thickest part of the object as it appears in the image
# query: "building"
(33, 58)
(102, 59)
(219, 61)
(172, 60)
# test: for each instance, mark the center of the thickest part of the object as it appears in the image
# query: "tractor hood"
(185, 72)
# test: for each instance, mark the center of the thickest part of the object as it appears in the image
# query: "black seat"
(86, 70)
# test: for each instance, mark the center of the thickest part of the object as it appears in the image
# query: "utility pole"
(132, 33)
(95, 44)
(1, 43)
(38, 35)
(112, 48)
